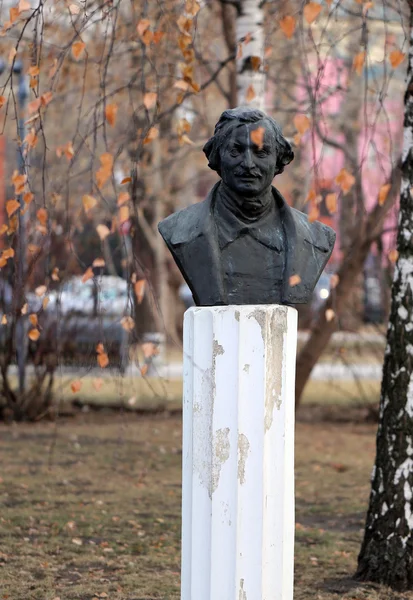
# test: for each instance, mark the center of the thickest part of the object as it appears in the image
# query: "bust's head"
(247, 163)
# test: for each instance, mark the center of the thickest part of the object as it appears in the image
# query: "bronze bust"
(243, 243)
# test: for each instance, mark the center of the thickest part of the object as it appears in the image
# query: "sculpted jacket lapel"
(200, 240)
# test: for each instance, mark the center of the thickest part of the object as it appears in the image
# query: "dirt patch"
(91, 509)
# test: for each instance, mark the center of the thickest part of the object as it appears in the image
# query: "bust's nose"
(247, 161)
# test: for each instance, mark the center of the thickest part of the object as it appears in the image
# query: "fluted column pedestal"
(238, 453)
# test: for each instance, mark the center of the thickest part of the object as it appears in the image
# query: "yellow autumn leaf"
(149, 100)
(345, 180)
(89, 202)
(330, 314)
(102, 231)
(314, 213)
(98, 262)
(33, 319)
(4, 320)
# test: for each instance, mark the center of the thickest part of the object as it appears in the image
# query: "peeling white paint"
(402, 312)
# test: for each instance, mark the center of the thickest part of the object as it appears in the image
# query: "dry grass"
(92, 507)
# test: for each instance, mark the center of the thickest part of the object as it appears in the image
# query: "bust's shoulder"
(319, 234)
(185, 224)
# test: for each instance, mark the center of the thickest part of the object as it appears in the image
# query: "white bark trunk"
(250, 54)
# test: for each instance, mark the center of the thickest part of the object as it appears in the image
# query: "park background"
(105, 108)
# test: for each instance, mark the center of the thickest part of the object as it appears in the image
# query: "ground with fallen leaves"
(90, 508)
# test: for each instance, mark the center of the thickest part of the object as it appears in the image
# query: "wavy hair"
(234, 117)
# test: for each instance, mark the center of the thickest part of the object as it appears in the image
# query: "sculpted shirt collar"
(266, 228)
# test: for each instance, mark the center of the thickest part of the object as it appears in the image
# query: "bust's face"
(246, 168)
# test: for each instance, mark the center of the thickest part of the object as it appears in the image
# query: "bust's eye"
(234, 151)
(262, 152)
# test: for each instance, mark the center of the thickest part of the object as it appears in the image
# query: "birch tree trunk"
(386, 554)
(250, 53)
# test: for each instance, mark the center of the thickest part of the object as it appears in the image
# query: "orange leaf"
(123, 198)
(314, 213)
(4, 320)
(149, 99)
(393, 255)
(311, 11)
(255, 62)
(144, 370)
(33, 71)
(331, 203)
(123, 214)
(105, 171)
(152, 134)
(97, 383)
(396, 58)
(34, 334)
(98, 262)
(358, 62)
(12, 206)
(34, 106)
(127, 323)
(100, 348)
(301, 123)
(103, 360)
(77, 49)
(143, 26)
(345, 180)
(24, 5)
(28, 197)
(40, 290)
(103, 231)
(42, 216)
(76, 386)
(3, 101)
(33, 319)
(250, 95)
(140, 290)
(157, 36)
(383, 193)
(287, 25)
(46, 98)
(8, 253)
(31, 139)
(88, 274)
(12, 55)
(257, 136)
(334, 281)
(44, 303)
(149, 349)
(19, 181)
(330, 314)
(294, 280)
(126, 180)
(89, 202)
(111, 111)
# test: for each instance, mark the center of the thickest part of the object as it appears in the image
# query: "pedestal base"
(238, 453)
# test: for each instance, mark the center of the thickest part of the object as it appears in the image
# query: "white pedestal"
(238, 453)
